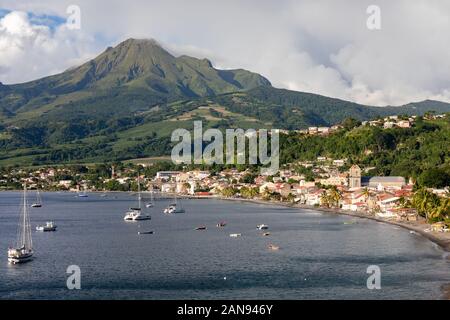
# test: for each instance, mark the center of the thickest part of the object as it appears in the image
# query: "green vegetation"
(125, 103)
(421, 152)
(430, 206)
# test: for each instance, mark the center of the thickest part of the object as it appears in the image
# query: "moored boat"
(273, 247)
(173, 208)
(38, 203)
(49, 226)
(145, 232)
(221, 224)
(235, 235)
(135, 213)
(23, 252)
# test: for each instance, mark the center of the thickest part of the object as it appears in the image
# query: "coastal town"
(324, 183)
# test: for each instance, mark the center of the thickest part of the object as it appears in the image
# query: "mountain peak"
(138, 68)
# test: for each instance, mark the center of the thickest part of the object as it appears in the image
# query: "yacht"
(49, 226)
(136, 214)
(174, 207)
(82, 194)
(23, 251)
(151, 203)
(262, 226)
(38, 202)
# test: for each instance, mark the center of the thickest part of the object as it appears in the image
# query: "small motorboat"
(266, 234)
(201, 228)
(149, 205)
(221, 224)
(49, 226)
(273, 247)
(36, 205)
(262, 226)
(235, 235)
(145, 232)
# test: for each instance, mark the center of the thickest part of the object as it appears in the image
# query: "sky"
(319, 46)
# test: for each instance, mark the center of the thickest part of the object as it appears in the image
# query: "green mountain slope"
(133, 75)
(126, 102)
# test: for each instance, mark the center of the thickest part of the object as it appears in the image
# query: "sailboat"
(150, 204)
(174, 207)
(136, 214)
(23, 252)
(38, 202)
(82, 194)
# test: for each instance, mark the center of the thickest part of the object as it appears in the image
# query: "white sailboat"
(136, 214)
(82, 194)
(151, 203)
(23, 251)
(38, 202)
(174, 207)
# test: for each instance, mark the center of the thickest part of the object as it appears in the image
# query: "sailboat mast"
(24, 215)
(24, 231)
(139, 192)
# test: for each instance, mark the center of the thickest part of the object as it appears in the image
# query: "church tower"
(355, 177)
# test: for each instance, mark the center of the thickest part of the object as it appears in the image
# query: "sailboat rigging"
(135, 214)
(38, 202)
(23, 251)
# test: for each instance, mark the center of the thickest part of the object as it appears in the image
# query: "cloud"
(316, 46)
(29, 50)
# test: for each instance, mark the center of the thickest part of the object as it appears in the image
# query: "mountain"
(131, 76)
(125, 103)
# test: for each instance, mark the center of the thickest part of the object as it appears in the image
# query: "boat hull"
(46, 229)
(22, 258)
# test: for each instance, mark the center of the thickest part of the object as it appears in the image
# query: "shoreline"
(441, 239)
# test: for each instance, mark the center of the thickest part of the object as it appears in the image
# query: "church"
(355, 180)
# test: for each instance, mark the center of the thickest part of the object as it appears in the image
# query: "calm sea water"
(320, 256)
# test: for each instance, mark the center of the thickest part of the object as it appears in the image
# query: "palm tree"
(428, 204)
(324, 199)
(334, 196)
(366, 193)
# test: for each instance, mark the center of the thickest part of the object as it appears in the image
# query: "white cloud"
(29, 51)
(316, 46)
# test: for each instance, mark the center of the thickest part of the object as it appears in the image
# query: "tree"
(334, 196)
(324, 199)
(434, 178)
